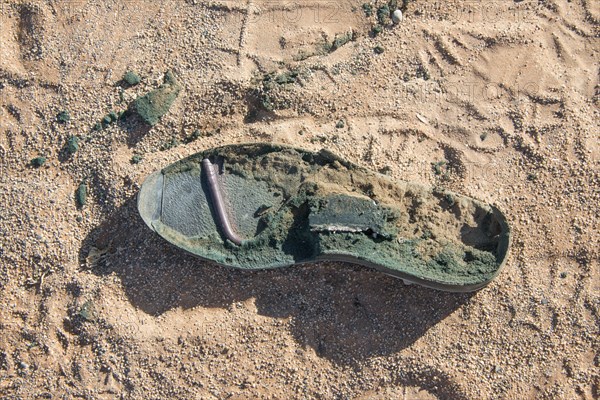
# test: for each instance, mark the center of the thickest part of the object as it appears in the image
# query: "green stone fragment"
(38, 161)
(81, 195)
(131, 78)
(72, 144)
(63, 117)
(155, 104)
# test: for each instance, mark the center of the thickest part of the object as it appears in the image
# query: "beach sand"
(497, 100)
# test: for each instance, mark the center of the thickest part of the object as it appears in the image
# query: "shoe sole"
(259, 206)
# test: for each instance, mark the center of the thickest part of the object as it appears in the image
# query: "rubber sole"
(259, 206)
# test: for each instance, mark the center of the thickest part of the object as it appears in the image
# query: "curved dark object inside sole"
(216, 194)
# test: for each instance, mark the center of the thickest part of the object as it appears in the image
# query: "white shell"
(397, 16)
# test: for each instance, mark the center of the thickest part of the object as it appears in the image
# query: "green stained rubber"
(295, 206)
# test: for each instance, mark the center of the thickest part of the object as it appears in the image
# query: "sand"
(498, 101)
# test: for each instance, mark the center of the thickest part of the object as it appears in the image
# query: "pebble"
(397, 16)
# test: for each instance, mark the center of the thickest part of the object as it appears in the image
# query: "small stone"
(193, 136)
(63, 117)
(131, 78)
(378, 49)
(368, 9)
(87, 311)
(397, 16)
(38, 161)
(383, 13)
(81, 195)
(72, 144)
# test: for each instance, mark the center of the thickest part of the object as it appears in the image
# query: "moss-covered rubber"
(286, 206)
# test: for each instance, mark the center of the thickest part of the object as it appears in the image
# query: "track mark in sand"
(585, 275)
(577, 17)
(446, 53)
(244, 33)
(592, 308)
(455, 159)
(228, 50)
(521, 264)
(444, 49)
(30, 30)
(436, 383)
(294, 32)
(326, 72)
(591, 15)
(12, 145)
(469, 108)
(256, 60)
(558, 46)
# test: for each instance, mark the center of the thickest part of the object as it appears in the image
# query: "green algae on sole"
(293, 206)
